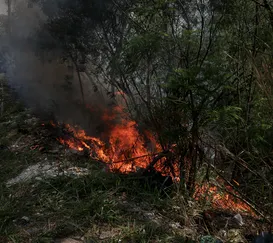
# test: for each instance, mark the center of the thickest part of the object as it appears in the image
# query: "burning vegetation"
(204, 93)
(222, 197)
(127, 151)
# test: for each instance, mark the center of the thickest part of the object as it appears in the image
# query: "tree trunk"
(193, 156)
(74, 60)
(9, 17)
(2, 96)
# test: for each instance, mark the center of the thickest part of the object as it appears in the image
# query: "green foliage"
(225, 116)
(140, 48)
(191, 70)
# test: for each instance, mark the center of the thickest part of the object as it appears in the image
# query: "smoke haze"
(46, 84)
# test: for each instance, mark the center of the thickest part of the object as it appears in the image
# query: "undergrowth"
(97, 203)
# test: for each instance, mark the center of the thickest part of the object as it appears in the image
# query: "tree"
(189, 71)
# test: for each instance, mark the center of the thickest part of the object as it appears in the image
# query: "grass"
(101, 207)
(92, 204)
(12, 164)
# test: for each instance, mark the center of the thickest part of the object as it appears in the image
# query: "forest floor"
(49, 193)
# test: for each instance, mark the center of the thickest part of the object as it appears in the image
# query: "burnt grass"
(98, 207)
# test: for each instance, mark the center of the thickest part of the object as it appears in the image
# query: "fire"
(126, 151)
(219, 199)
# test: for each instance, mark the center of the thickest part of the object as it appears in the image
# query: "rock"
(25, 218)
(238, 218)
(46, 170)
(235, 222)
(22, 221)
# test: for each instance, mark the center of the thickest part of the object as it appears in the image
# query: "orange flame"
(224, 200)
(126, 152)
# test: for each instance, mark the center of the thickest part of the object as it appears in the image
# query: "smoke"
(46, 84)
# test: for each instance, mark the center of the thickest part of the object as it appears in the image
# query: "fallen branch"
(157, 158)
(134, 158)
